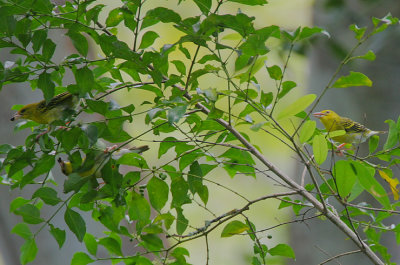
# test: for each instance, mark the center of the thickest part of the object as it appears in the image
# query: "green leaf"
(275, 72)
(79, 41)
(250, 2)
(370, 56)
(112, 245)
(373, 143)
(139, 208)
(307, 131)
(204, 5)
(180, 66)
(114, 17)
(353, 79)
(175, 114)
(320, 149)
(30, 214)
(90, 243)
(158, 192)
(76, 223)
(307, 32)
(195, 181)
(282, 250)
(345, 176)
(287, 86)
(133, 159)
(84, 79)
(81, 258)
(48, 195)
(181, 222)
(179, 191)
(359, 32)
(266, 99)
(297, 106)
(22, 229)
(233, 228)
(38, 39)
(46, 84)
(160, 14)
(365, 175)
(58, 234)
(148, 39)
(48, 50)
(28, 251)
(393, 136)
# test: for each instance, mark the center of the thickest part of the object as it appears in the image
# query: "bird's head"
(326, 115)
(66, 166)
(26, 112)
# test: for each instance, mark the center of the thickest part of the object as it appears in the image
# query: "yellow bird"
(46, 112)
(100, 159)
(355, 132)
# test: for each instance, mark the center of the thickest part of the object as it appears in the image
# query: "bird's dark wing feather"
(352, 126)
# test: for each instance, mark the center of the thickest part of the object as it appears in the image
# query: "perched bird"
(355, 132)
(46, 112)
(97, 161)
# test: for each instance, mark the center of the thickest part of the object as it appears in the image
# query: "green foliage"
(202, 127)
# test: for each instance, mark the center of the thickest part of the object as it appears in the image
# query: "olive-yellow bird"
(355, 132)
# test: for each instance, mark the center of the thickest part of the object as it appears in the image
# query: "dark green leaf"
(286, 88)
(39, 36)
(266, 98)
(48, 50)
(58, 234)
(179, 191)
(30, 214)
(365, 175)
(79, 41)
(76, 223)
(84, 79)
(204, 5)
(180, 66)
(148, 39)
(175, 114)
(46, 84)
(181, 222)
(48, 195)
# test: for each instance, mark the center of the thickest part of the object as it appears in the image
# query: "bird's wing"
(351, 126)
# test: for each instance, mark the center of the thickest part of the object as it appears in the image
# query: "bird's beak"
(16, 116)
(318, 115)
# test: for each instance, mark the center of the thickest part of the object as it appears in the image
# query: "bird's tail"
(139, 149)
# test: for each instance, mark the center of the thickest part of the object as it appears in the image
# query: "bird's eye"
(327, 112)
(22, 111)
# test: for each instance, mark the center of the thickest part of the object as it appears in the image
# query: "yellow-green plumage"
(354, 131)
(46, 113)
